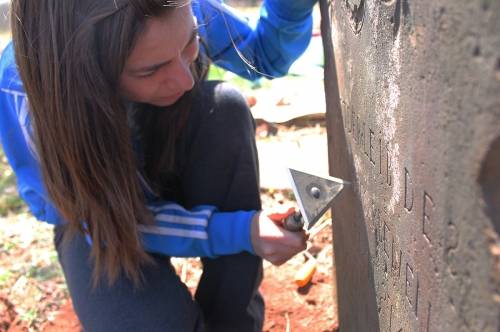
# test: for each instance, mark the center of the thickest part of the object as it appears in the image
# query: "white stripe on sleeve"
(202, 213)
(181, 220)
(174, 232)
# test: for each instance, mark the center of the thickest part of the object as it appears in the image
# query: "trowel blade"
(314, 194)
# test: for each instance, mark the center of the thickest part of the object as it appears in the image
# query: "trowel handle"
(294, 222)
(291, 220)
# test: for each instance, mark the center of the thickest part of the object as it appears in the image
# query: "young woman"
(141, 159)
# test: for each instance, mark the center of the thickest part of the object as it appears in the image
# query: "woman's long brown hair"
(70, 54)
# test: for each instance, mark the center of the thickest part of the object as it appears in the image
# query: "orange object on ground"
(305, 273)
(251, 100)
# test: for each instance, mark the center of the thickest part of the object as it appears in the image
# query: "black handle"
(294, 222)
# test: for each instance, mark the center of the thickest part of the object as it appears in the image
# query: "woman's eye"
(146, 74)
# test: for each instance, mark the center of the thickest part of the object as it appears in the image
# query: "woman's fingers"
(294, 239)
(274, 243)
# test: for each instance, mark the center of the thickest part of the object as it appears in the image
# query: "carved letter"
(396, 263)
(386, 233)
(363, 138)
(353, 124)
(358, 130)
(416, 299)
(380, 155)
(409, 278)
(389, 166)
(377, 227)
(372, 135)
(390, 320)
(428, 206)
(408, 191)
(429, 316)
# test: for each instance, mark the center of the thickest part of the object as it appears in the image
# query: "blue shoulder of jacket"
(267, 48)
(9, 76)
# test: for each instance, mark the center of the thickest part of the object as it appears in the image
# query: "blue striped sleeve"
(199, 232)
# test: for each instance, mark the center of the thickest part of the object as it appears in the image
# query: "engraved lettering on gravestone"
(390, 319)
(412, 288)
(356, 14)
(362, 136)
(380, 153)
(428, 206)
(396, 20)
(385, 295)
(447, 261)
(402, 9)
(396, 262)
(385, 240)
(372, 136)
(355, 125)
(359, 129)
(451, 246)
(408, 283)
(376, 224)
(389, 166)
(365, 140)
(396, 321)
(386, 232)
(408, 191)
(429, 307)
(416, 298)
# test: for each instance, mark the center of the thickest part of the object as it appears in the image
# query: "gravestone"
(413, 112)
(4, 16)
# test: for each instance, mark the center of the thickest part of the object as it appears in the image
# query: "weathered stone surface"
(4, 16)
(417, 131)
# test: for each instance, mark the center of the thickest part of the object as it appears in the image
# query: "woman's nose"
(181, 79)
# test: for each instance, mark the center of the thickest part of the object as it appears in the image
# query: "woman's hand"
(274, 243)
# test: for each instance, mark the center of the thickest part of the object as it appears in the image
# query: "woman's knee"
(161, 303)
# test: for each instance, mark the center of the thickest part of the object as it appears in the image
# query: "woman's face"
(157, 71)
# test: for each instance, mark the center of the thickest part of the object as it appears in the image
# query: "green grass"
(29, 316)
(5, 276)
(217, 73)
(10, 202)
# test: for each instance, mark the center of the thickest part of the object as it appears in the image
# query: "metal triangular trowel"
(314, 194)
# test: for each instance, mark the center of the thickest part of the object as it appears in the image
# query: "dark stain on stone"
(489, 180)
(397, 18)
(486, 5)
(406, 8)
(477, 51)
